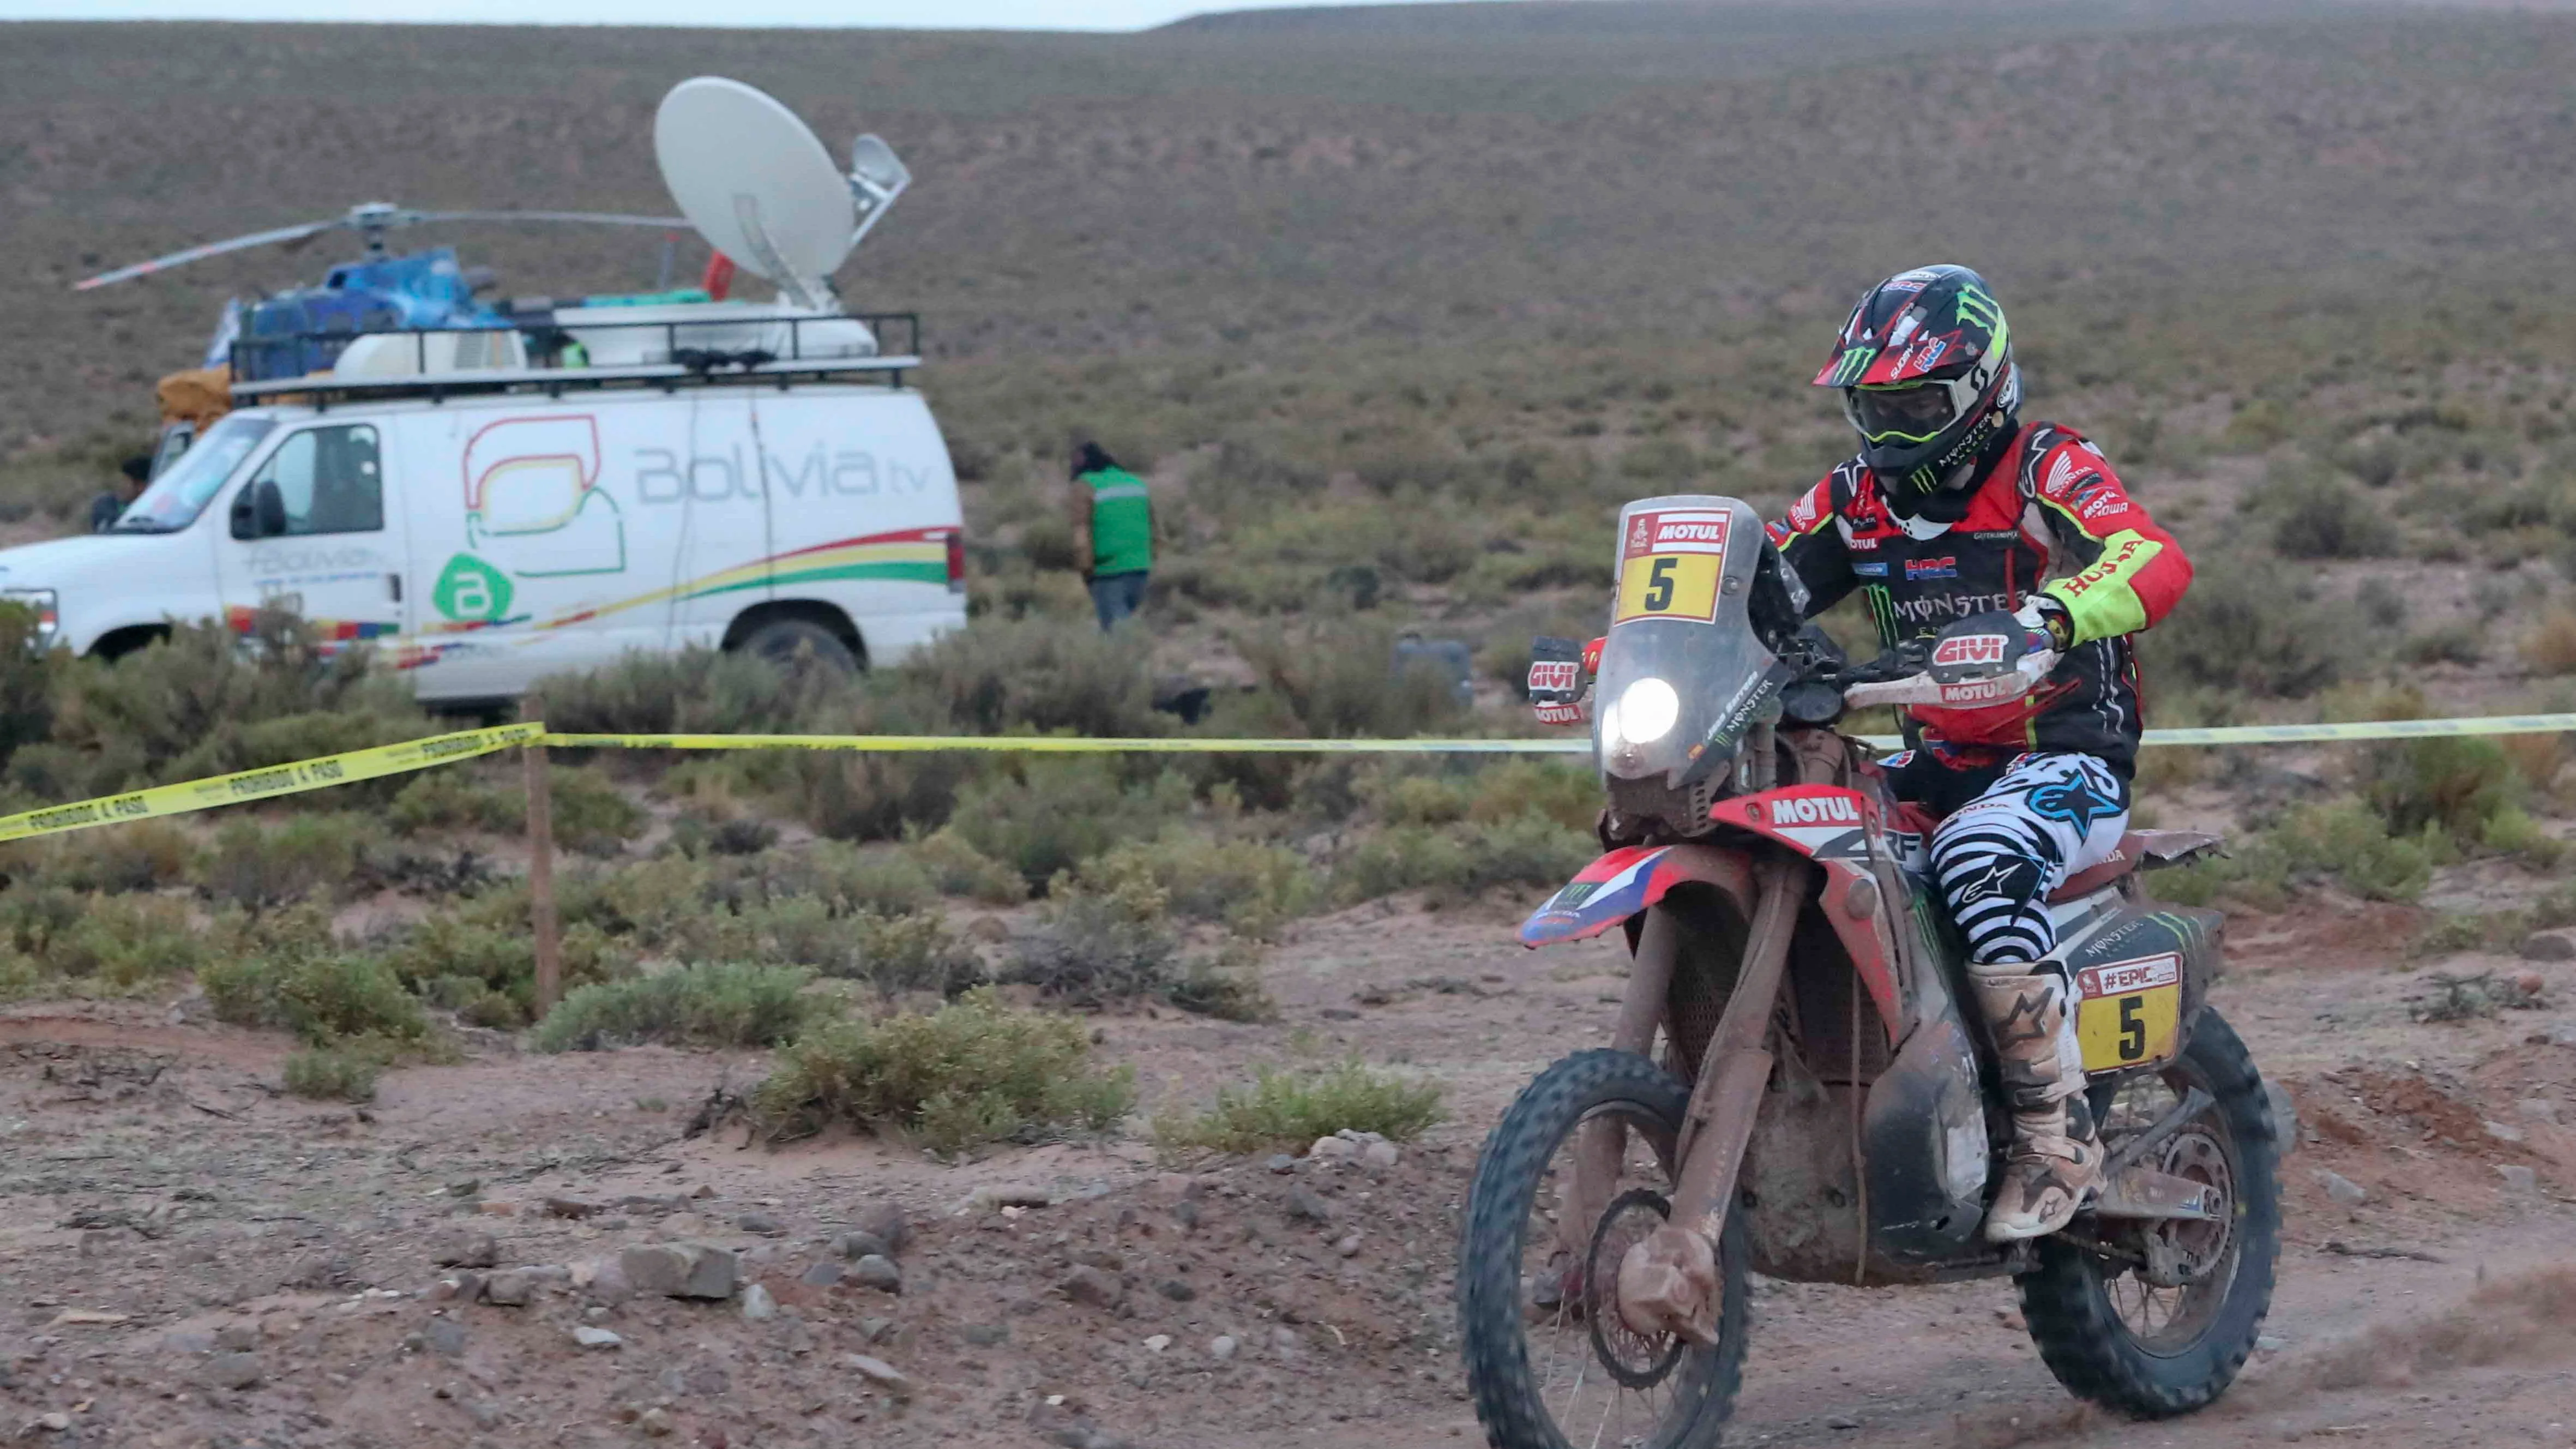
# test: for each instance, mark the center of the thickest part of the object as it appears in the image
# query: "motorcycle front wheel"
(1549, 1363)
(2161, 1325)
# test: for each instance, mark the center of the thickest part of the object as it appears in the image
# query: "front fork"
(1668, 1282)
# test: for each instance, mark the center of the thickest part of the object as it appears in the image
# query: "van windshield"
(176, 498)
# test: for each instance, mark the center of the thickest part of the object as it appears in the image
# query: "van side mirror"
(259, 511)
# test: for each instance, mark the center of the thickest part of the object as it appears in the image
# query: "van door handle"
(396, 581)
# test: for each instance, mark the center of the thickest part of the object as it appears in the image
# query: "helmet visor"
(1911, 413)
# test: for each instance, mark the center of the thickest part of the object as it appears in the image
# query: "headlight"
(1647, 710)
(41, 603)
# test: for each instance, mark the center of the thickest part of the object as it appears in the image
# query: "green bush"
(1098, 948)
(2243, 628)
(959, 869)
(708, 1005)
(1291, 1110)
(2345, 843)
(2316, 514)
(140, 856)
(453, 798)
(93, 944)
(336, 1074)
(896, 953)
(1254, 888)
(695, 691)
(1053, 813)
(2457, 784)
(1038, 675)
(973, 1072)
(591, 815)
(306, 856)
(1458, 862)
(324, 995)
(436, 957)
(1340, 679)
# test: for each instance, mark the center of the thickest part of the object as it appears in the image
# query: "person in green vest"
(1113, 533)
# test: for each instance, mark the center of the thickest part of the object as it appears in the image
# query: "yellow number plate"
(1672, 565)
(2131, 1012)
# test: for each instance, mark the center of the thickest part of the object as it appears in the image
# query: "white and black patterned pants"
(1998, 856)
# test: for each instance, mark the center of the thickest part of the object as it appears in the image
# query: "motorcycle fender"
(1825, 822)
(1628, 880)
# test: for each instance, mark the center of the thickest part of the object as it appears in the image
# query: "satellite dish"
(877, 177)
(757, 185)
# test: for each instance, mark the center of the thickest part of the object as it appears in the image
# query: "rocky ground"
(530, 1250)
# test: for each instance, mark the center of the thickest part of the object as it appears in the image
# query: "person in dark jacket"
(1948, 522)
(107, 507)
(1113, 533)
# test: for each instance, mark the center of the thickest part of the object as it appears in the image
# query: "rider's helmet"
(1927, 377)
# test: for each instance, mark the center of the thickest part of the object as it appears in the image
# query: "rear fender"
(1628, 880)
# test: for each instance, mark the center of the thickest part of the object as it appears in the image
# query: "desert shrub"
(140, 856)
(695, 691)
(196, 704)
(306, 856)
(322, 994)
(455, 799)
(846, 878)
(1097, 948)
(2550, 647)
(707, 1005)
(29, 680)
(973, 1072)
(1285, 1109)
(335, 1074)
(2316, 514)
(591, 815)
(2243, 628)
(91, 944)
(913, 951)
(1226, 986)
(440, 953)
(1046, 675)
(1254, 888)
(1457, 862)
(703, 835)
(959, 869)
(1340, 679)
(848, 795)
(1053, 813)
(2457, 784)
(2458, 642)
(2344, 843)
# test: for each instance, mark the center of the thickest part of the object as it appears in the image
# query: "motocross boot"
(2055, 1163)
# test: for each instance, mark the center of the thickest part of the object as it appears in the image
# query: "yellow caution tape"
(2515, 724)
(315, 774)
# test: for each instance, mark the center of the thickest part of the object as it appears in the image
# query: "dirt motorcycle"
(1794, 1086)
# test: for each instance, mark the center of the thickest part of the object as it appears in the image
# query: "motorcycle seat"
(2138, 850)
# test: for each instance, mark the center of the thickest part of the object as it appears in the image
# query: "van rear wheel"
(796, 643)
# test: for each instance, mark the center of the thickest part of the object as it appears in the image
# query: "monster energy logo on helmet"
(1925, 369)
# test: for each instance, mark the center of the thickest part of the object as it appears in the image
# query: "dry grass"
(2550, 648)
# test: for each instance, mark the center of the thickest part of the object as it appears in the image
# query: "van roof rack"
(559, 352)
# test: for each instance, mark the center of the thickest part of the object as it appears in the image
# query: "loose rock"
(1176, 1290)
(2517, 1178)
(681, 1270)
(1222, 1347)
(462, 1248)
(569, 1207)
(762, 1224)
(1100, 1258)
(981, 1335)
(1328, 1147)
(589, 1337)
(757, 1305)
(2503, 1131)
(1283, 1163)
(1158, 1342)
(886, 1221)
(1381, 1154)
(1306, 1205)
(878, 1371)
(2538, 1109)
(510, 1288)
(233, 1370)
(445, 1337)
(1841, 1421)
(1092, 1288)
(878, 1273)
(857, 1245)
(2546, 947)
(237, 1337)
(821, 1275)
(2342, 1189)
(1349, 1246)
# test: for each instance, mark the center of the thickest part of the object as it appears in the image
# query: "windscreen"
(176, 497)
(1683, 671)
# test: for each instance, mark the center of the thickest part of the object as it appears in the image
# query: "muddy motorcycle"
(1795, 1085)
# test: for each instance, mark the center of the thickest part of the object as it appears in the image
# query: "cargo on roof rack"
(557, 350)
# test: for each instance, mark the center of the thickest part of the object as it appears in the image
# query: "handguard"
(1560, 679)
(1965, 688)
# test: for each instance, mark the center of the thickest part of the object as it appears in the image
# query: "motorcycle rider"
(1947, 521)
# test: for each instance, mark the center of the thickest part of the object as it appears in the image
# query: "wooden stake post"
(541, 872)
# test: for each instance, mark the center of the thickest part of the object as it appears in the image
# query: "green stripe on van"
(899, 570)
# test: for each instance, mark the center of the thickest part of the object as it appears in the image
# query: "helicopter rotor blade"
(414, 218)
(213, 249)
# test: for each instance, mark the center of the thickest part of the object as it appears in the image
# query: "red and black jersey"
(2049, 515)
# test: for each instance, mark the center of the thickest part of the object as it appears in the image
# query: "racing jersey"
(2048, 516)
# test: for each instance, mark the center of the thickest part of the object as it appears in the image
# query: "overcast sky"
(910, 14)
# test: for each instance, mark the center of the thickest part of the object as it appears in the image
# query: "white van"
(481, 527)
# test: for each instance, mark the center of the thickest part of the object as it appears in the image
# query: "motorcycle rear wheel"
(1548, 1364)
(2109, 1334)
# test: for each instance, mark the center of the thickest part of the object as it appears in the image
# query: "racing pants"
(2028, 826)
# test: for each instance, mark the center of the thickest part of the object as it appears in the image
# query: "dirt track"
(147, 1173)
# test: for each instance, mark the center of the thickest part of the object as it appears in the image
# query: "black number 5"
(2133, 1028)
(1659, 585)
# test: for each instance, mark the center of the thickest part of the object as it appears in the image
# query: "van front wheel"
(797, 643)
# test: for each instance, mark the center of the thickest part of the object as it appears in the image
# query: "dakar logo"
(1816, 810)
(1639, 536)
(1969, 649)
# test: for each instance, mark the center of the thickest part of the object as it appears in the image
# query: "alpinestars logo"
(1816, 810)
